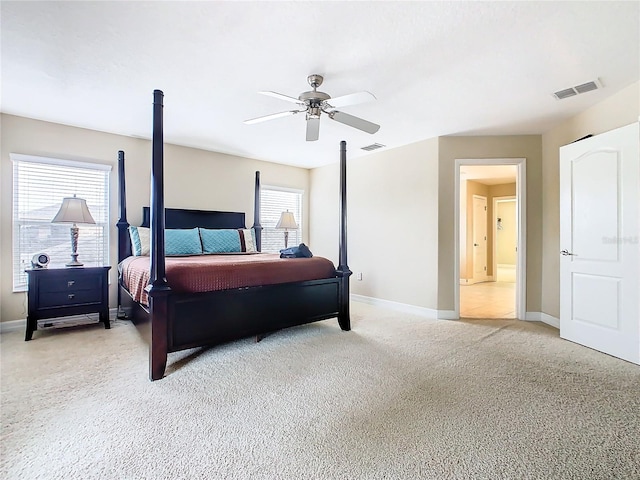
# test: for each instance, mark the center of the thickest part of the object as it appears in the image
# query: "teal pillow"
(182, 242)
(220, 240)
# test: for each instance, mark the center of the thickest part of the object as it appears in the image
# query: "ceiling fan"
(313, 103)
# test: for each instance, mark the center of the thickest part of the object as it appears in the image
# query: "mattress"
(207, 273)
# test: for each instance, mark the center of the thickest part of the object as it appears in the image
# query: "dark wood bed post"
(256, 214)
(343, 271)
(158, 289)
(124, 245)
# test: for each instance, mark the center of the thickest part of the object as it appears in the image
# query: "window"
(274, 201)
(39, 185)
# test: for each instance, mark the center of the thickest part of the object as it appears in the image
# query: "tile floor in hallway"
(490, 299)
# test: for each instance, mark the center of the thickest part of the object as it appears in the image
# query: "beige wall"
(193, 179)
(619, 110)
(507, 237)
(392, 222)
(501, 190)
(516, 146)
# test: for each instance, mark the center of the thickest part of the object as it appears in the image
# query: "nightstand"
(60, 292)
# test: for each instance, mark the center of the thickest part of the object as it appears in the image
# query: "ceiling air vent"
(373, 146)
(586, 87)
(570, 92)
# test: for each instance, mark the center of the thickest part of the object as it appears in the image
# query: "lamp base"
(74, 261)
(74, 248)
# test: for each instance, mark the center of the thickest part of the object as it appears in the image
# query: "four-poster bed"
(174, 319)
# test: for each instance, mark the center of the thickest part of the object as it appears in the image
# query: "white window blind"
(274, 201)
(39, 185)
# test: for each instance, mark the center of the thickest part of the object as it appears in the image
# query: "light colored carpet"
(398, 397)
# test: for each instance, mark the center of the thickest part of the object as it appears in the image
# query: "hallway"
(490, 299)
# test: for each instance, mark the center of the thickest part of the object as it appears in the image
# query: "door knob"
(567, 253)
(476, 245)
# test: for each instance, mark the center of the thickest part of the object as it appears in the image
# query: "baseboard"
(549, 320)
(13, 325)
(542, 317)
(397, 306)
(473, 281)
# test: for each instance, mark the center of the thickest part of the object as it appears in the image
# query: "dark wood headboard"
(185, 218)
(179, 217)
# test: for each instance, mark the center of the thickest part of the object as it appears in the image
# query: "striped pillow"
(248, 240)
(140, 240)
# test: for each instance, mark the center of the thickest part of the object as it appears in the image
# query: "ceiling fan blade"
(351, 99)
(313, 129)
(282, 97)
(251, 121)
(355, 122)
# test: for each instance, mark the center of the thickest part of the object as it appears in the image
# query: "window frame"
(266, 229)
(18, 262)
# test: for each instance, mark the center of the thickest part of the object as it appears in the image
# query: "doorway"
(490, 240)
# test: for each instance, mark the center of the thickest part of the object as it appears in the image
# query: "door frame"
(521, 196)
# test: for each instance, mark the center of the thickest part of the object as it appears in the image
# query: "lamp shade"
(287, 221)
(73, 210)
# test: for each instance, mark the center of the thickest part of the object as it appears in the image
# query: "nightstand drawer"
(73, 282)
(65, 299)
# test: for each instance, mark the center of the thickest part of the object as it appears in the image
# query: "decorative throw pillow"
(220, 240)
(248, 240)
(140, 240)
(182, 242)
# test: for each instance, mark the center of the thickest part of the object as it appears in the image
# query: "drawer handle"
(71, 295)
(70, 283)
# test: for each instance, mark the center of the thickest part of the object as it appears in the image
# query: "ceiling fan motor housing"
(313, 98)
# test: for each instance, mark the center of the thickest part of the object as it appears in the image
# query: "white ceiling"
(436, 68)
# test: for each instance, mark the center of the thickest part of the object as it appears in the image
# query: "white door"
(599, 242)
(479, 237)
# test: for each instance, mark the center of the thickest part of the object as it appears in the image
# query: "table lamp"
(74, 210)
(288, 222)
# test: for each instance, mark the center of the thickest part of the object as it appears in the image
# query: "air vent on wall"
(573, 91)
(373, 146)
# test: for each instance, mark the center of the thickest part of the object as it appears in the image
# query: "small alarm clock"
(40, 260)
